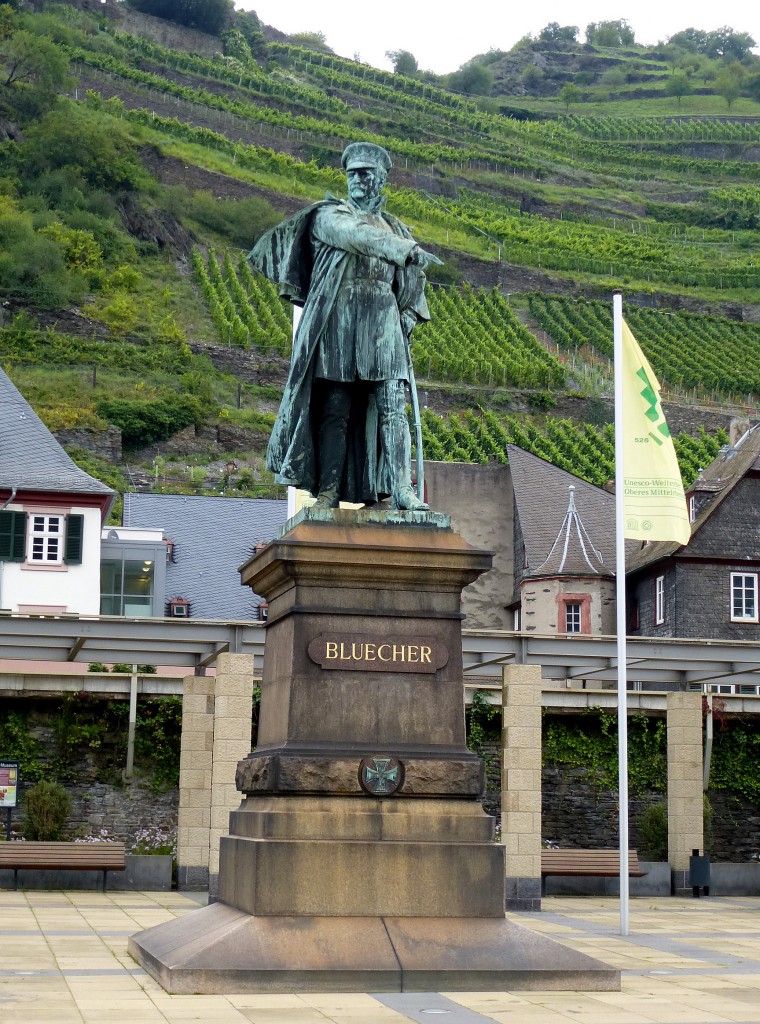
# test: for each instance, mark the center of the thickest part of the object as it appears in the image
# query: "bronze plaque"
(381, 776)
(378, 654)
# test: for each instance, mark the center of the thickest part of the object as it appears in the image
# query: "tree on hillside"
(678, 85)
(570, 93)
(554, 33)
(249, 26)
(236, 45)
(728, 87)
(311, 41)
(610, 33)
(8, 22)
(752, 86)
(28, 58)
(104, 155)
(473, 79)
(206, 15)
(404, 62)
(723, 42)
(692, 39)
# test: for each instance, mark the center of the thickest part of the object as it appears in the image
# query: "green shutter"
(74, 532)
(12, 536)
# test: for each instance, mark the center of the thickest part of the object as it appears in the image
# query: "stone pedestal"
(685, 793)
(360, 857)
(521, 785)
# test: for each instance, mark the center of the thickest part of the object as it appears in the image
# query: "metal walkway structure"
(580, 661)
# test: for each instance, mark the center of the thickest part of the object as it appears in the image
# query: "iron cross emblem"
(381, 776)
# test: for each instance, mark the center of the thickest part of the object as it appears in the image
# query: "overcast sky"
(443, 34)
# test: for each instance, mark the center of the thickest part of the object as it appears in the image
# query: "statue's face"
(364, 183)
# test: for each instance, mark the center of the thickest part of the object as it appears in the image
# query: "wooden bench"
(587, 863)
(103, 857)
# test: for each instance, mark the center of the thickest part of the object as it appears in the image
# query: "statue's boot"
(397, 445)
(332, 445)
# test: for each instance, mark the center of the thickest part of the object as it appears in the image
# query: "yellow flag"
(654, 503)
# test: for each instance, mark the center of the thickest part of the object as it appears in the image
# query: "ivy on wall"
(84, 726)
(588, 740)
(735, 765)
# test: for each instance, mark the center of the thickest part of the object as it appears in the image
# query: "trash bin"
(699, 874)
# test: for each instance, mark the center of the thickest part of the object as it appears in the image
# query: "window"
(41, 538)
(692, 508)
(573, 617)
(659, 600)
(574, 613)
(126, 587)
(44, 541)
(744, 597)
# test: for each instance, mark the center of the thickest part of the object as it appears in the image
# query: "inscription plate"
(378, 654)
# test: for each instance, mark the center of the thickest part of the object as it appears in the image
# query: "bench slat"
(605, 863)
(72, 856)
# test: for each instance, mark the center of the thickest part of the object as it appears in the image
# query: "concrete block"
(197, 836)
(519, 736)
(195, 817)
(235, 706)
(519, 821)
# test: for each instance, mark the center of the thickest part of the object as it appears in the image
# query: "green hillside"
(134, 176)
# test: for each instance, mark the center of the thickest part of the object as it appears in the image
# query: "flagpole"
(617, 322)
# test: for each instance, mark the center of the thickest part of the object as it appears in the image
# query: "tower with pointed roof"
(565, 581)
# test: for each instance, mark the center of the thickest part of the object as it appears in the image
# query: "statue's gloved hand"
(421, 258)
(408, 321)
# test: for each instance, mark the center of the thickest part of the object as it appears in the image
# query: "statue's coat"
(311, 275)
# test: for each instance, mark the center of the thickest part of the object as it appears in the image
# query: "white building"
(51, 516)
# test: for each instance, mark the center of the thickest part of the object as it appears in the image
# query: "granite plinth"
(331, 857)
(288, 771)
(386, 592)
(219, 949)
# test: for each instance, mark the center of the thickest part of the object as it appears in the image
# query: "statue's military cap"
(365, 154)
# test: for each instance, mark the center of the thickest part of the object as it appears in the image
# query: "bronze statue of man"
(341, 431)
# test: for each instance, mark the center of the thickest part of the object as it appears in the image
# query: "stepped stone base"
(360, 859)
(220, 949)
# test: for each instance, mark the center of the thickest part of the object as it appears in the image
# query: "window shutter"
(74, 532)
(12, 536)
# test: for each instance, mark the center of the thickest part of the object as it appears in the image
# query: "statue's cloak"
(285, 255)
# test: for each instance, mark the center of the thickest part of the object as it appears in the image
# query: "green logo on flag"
(654, 411)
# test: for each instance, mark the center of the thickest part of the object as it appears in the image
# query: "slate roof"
(729, 467)
(541, 496)
(212, 537)
(30, 457)
(573, 552)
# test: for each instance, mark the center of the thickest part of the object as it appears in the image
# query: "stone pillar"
(685, 795)
(195, 769)
(232, 742)
(521, 785)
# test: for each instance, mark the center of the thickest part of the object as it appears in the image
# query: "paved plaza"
(64, 961)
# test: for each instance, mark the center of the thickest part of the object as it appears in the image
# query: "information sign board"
(8, 783)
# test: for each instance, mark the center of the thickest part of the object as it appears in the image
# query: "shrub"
(142, 422)
(46, 807)
(653, 826)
